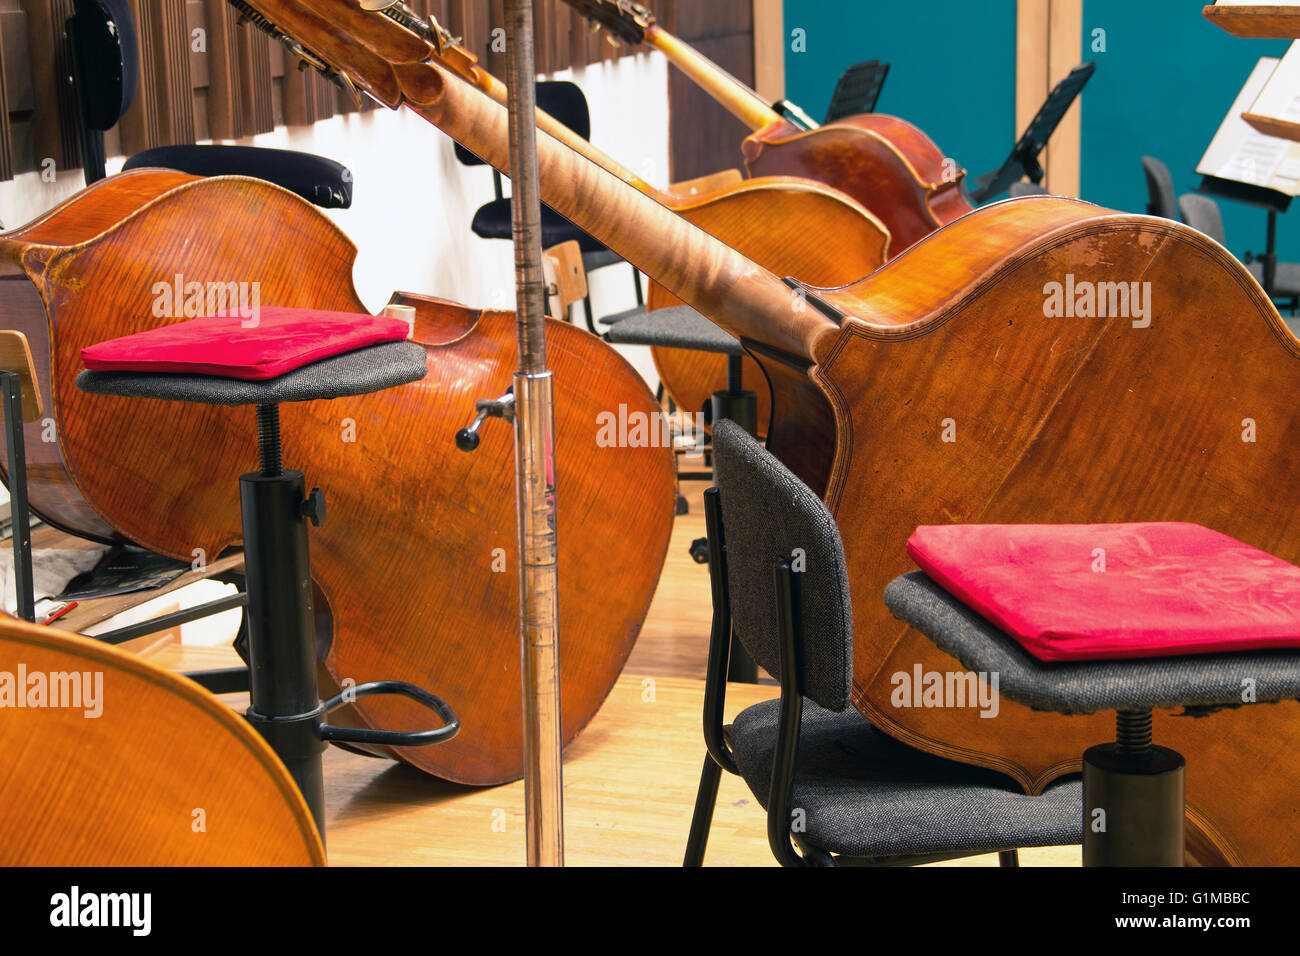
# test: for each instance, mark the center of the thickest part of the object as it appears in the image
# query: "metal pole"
(534, 464)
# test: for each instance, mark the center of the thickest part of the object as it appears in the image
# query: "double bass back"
(152, 770)
(415, 568)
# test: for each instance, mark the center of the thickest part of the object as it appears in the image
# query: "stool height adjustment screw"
(268, 440)
(1133, 731)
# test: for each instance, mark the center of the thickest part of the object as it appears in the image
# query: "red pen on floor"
(60, 612)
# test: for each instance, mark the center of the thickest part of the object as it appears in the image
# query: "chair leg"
(1009, 858)
(702, 819)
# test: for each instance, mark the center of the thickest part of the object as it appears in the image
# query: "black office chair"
(1203, 214)
(565, 102)
(836, 789)
(1160, 189)
(104, 54)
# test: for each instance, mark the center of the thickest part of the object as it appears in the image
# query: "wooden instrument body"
(1081, 419)
(1060, 420)
(885, 163)
(165, 775)
(415, 567)
(794, 228)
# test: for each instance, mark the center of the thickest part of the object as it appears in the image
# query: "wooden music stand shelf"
(1262, 21)
(1272, 126)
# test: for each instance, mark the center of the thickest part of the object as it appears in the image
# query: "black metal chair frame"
(219, 680)
(788, 849)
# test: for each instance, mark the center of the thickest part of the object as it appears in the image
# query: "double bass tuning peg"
(467, 439)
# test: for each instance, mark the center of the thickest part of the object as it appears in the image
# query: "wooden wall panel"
(6, 133)
(1049, 36)
(234, 85)
(54, 130)
(703, 137)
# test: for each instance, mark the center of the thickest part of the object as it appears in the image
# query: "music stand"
(1246, 166)
(1023, 160)
(1261, 197)
(858, 90)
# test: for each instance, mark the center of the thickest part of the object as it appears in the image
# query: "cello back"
(139, 768)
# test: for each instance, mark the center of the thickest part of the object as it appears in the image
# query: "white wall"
(413, 202)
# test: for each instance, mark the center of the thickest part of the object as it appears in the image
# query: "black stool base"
(1133, 806)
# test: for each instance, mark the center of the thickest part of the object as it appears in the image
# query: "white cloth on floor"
(51, 571)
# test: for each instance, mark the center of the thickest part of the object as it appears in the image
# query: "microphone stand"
(534, 463)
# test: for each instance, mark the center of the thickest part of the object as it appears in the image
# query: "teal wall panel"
(955, 79)
(1162, 86)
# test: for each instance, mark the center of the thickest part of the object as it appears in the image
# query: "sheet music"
(1241, 154)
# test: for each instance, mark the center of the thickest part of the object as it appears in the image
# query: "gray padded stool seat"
(1087, 687)
(1136, 787)
(865, 798)
(866, 795)
(678, 327)
(358, 372)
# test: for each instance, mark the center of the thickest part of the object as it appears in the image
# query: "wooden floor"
(629, 779)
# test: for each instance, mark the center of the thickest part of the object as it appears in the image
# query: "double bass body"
(414, 569)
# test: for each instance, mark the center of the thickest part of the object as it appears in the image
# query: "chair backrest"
(104, 67)
(769, 514)
(105, 59)
(1016, 190)
(563, 100)
(1202, 214)
(317, 179)
(1160, 189)
(566, 277)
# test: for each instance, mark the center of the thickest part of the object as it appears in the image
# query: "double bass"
(414, 570)
(883, 162)
(151, 769)
(1082, 415)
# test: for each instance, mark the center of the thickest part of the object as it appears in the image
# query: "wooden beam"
(769, 49)
(1049, 38)
(1065, 43)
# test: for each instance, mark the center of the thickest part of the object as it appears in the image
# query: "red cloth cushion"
(1167, 588)
(281, 341)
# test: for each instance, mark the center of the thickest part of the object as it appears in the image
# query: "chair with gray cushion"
(1161, 197)
(1133, 790)
(1017, 190)
(1202, 214)
(836, 789)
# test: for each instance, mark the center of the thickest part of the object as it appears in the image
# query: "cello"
(151, 769)
(1133, 410)
(883, 162)
(414, 571)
